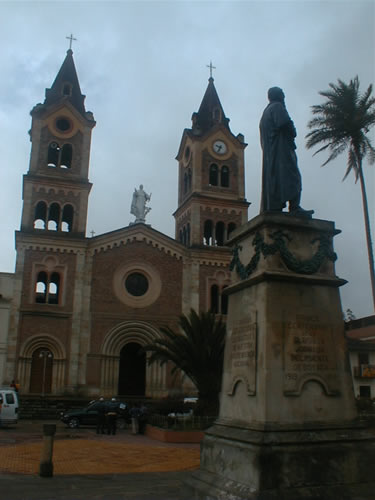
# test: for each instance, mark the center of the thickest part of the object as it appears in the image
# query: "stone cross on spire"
(71, 38)
(211, 68)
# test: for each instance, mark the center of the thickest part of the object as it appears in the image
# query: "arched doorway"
(132, 371)
(41, 371)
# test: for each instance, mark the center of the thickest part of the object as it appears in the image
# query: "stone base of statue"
(288, 426)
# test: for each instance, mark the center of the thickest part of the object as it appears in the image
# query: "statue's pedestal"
(288, 421)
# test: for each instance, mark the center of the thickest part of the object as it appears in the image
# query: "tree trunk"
(367, 229)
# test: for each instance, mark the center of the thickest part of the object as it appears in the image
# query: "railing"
(364, 371)
(181, 422)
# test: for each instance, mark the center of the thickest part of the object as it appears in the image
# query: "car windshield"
(94, 406)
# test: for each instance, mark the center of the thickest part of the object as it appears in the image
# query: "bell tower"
(50, 306)
(56, 187)
(211, 180)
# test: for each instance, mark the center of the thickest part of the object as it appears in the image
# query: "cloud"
(142, 66)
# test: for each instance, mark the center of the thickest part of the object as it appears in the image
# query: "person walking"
(101, 422)
(134, 414)
(142, 420)
(111, 417)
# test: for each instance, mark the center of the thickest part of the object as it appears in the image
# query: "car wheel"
(121, 423)
(73, 423)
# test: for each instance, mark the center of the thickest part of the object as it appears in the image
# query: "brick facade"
(89, 305)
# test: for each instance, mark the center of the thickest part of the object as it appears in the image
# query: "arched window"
(53, 217)
(40, 215)
(184, 235)
(59, 157)
(207, 232)
(224, 301)
(219, 233)
(67, 218)
(185, 182)
(189, 180)
(53, 154)
(181, 236)
(188, 235)
(224, 176)
(66, 156)
(47, 288)
(54, 288)
(231, 227)
(214, 299)
(41, 288)
(213, 175)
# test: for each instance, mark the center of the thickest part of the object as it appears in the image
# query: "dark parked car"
(89, 415)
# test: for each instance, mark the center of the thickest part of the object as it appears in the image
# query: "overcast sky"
(142, 67)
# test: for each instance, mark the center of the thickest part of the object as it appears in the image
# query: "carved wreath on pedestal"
(308, 266)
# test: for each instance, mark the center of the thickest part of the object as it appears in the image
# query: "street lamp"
(45, 355)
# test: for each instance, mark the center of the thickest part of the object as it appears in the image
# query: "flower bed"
(173, 436)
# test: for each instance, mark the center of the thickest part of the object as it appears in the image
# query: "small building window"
(53, 154)
(40, 215)
(224, 176)
(188, 235)
(213, 175)
(214, 299)
(207, 232)
(47, 289)
(363, 358)
(218, 299)
(189, 180)
(63, 124)
(53, 217)
(66, 156)
(54, 288)
(365, 391)
(41, 288)
(59, 156)
(136, 284)
(219, 233)
(185, 183)
(67, 219)
(224, 301)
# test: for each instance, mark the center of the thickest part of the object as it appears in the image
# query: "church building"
(83, 307)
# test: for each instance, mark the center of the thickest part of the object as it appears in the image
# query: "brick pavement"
(88, 466)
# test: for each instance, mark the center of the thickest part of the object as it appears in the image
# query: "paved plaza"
(90, 466)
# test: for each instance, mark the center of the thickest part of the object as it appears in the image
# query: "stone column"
(46, 463)
(288, 418)
(76, 369)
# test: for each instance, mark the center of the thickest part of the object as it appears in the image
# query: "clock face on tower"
(219, 147)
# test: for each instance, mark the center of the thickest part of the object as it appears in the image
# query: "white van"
(8, 407)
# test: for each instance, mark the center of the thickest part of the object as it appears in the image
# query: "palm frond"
(197, 349)
(342, 121)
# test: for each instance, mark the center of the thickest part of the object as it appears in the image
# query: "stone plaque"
(243, 345)
(309, 354)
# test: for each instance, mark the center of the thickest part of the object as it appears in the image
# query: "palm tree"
(198, 351)
(341, 123)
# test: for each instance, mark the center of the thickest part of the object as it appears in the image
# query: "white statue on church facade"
(138, 206)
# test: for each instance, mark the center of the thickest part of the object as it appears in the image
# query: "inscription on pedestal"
(243, 344)
(309, 355)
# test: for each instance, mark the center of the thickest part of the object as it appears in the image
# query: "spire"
(210, 112)
(66, 86)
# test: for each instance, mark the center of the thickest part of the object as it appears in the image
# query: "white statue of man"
(138, 206)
